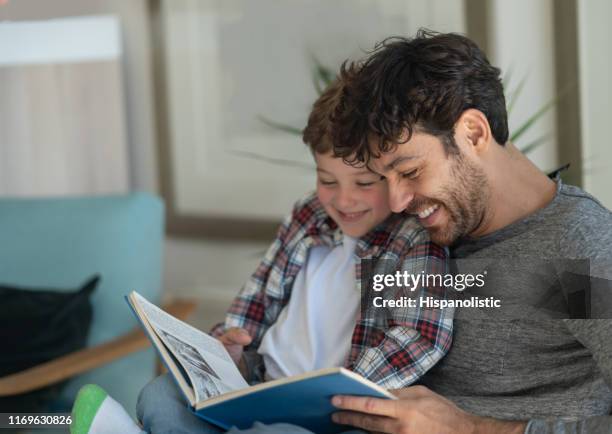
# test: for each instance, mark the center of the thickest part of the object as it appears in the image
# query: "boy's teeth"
(352, 214)
(426, 213)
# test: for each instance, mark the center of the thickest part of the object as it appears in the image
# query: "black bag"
(37, 326)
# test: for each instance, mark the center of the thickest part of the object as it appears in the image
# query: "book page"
(210, 368)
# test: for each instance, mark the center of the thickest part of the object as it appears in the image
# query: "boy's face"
(354, 197)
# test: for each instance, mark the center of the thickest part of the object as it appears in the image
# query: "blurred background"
(197, 101)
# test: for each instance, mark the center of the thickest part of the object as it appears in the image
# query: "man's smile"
(428, 215)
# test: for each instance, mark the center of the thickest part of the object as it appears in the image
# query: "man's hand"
(418, 410)
(234, 340)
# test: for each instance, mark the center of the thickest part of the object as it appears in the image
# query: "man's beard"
(465, 198)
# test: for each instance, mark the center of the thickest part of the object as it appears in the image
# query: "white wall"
(595, 57)
(521, 43)
(211, 271)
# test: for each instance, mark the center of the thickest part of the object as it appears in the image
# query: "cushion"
(38, 325)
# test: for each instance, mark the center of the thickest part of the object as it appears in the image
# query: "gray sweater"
(538, 365)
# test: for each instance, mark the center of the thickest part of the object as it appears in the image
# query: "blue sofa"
(59, 243)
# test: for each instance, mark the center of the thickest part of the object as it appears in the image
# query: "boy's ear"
(473, 131)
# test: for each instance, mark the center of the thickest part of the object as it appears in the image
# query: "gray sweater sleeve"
(589, 240)
(592, 425)
(596, 335)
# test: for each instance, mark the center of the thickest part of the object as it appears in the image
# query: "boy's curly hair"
(317, 134)
(423, 83)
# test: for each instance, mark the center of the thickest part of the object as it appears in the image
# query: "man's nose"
(399, 198)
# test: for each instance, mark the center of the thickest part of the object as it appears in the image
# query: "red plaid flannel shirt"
(393, 355)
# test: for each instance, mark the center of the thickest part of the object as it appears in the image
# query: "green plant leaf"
(280, 126)
(272, 160)
(322, 76)
(513, 95)
(537, 115)
(532, 119)
(316, 83)
(534, 144)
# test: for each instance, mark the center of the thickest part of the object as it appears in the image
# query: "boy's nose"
(345, 200)
(399, 198)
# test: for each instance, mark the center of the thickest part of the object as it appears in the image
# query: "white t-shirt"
(314, 329)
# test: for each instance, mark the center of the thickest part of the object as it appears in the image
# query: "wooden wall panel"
(62, 128)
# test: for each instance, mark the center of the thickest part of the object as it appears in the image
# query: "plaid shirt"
(393, 355)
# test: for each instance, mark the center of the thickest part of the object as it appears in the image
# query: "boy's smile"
(354, 197)
(351, 217)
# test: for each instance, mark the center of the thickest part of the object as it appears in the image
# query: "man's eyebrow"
(399, 160)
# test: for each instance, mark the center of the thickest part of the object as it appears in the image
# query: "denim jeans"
(162, 409)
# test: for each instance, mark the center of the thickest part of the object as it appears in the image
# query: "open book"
(217, 392)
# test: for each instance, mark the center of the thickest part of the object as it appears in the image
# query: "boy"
(285, 317)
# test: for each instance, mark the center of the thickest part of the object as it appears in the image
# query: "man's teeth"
(429, 211)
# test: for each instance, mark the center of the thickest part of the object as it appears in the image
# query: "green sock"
(86, 406)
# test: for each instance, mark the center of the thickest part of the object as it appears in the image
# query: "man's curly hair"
(423, 83)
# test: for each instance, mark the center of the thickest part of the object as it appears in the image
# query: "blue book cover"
(215, 390)
(303, 400)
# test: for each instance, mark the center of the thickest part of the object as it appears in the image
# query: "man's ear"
(473, 131)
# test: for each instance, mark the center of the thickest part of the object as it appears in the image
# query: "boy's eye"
(365, 184)
(412, 174)
(326, 182)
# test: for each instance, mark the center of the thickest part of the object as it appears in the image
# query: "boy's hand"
(234, 340)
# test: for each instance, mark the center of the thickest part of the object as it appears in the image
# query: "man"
(429, 115)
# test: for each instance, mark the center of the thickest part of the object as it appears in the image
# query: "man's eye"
(411, 174)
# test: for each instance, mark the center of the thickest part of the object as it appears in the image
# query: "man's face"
(447, 192)
(355, 198)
